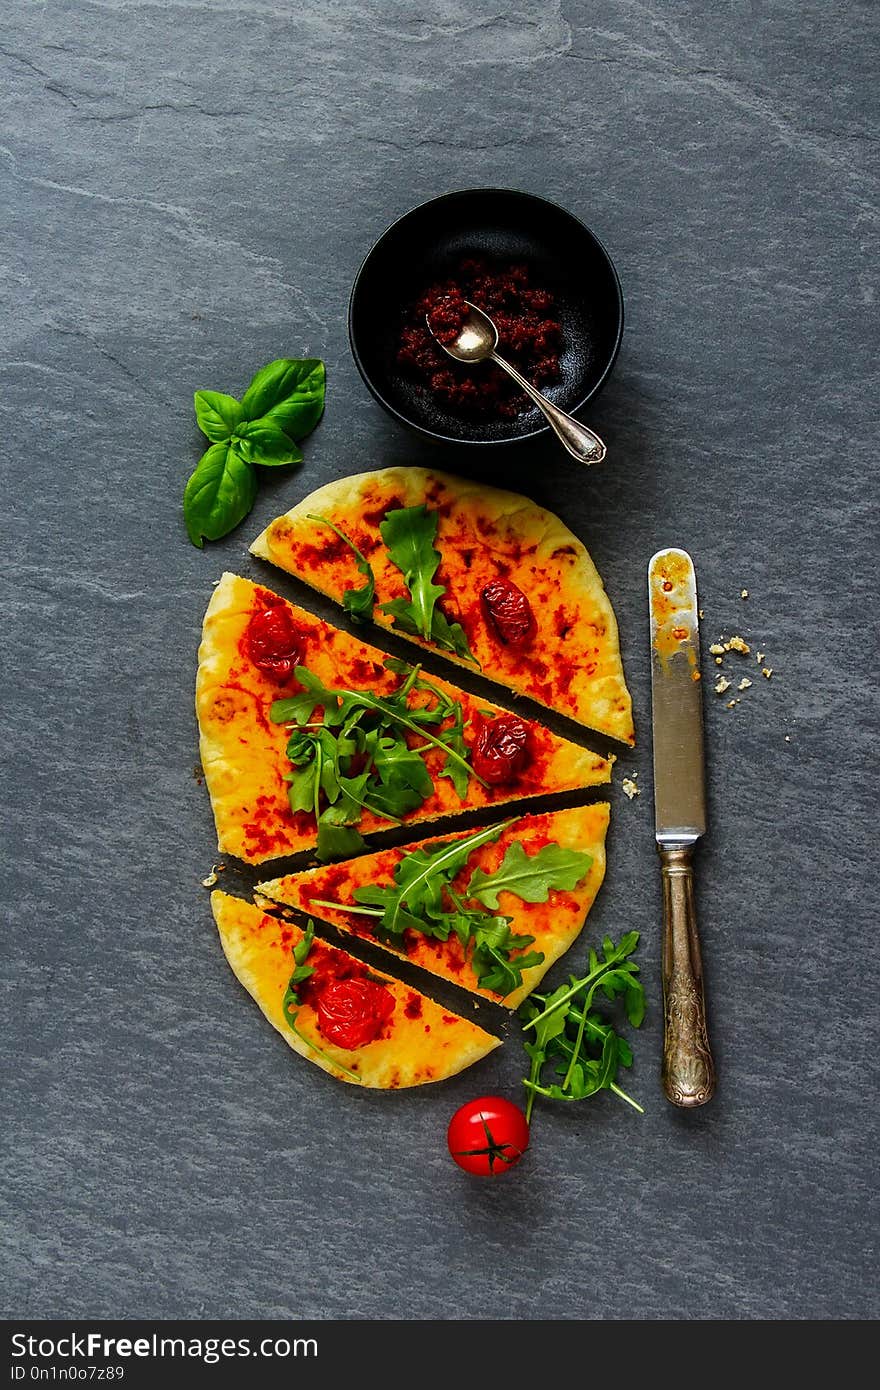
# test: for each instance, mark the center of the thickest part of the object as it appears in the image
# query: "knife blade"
(688, 1072)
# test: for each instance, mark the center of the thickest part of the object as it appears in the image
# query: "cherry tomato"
(487, 1136)
(509, 612)
(275, 643)
(353, 1012)
(500, 750)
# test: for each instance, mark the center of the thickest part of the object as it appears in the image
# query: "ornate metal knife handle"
(688, 1068)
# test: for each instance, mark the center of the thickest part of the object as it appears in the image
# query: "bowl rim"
(542, 428)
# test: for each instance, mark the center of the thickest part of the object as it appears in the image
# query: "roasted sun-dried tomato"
(509, 612)
(275, 644)
(501, 749)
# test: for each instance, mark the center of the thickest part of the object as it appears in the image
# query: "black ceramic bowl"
(428, 243)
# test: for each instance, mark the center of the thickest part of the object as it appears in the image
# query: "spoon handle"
(580, 441)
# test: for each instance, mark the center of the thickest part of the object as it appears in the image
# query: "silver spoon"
(477, 341)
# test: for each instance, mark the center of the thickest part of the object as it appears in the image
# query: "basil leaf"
(290, 392)
(219, 494)
(217, 415)
(530, 877)
(262, 441)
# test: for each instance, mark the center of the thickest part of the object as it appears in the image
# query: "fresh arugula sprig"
(576, 1040)
(422, 898)
(409, 534)
(358, 603)
(280, 407)
(356, 758)
(291, 1003)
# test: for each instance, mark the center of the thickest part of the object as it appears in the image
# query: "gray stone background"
(187, 190)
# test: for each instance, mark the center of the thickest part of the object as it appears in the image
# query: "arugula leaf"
(358, 603)
(337, 841)
(355, 757)
(264, 442)
(493, 944)
(582, 1047)
(450, 636)
(290, 393)
(409, 534)
(452, 767)
(530, 877)
(219, 494)
(217, 415)
(282, 404)
(301, 970)
(419, 880)
(298, 709)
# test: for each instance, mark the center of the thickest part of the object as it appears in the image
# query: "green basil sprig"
(280, 407)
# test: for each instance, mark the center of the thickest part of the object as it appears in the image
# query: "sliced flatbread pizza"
(490, 909)
(360, 1025)
(486, 577)
(309, 736)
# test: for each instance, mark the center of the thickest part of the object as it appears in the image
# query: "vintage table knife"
(679, 820)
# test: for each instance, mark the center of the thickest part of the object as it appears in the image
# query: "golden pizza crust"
(573, 665)
(243, 753)
(420, 1042)
(555, 925)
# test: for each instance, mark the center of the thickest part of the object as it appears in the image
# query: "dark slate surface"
(187, 191)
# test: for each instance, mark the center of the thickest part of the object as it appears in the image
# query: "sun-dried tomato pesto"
(529, 334)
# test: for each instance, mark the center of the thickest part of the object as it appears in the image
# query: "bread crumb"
(737, 644)
(629, 787)
(744, 594)
(716, 649)
(759, 657)
(212, 876)
(719, 661)
(700, 613)
(788, 738)
(767, 671)
(731, 703)
(721, 685)
(744, 683)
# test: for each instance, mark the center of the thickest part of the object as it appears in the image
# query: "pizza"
(523, 893)
(309, 736)
(360, 1025)
(485, 577)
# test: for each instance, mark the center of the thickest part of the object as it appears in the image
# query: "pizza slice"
(360, 1025)
(490, 909)
(486, 577)
(309, 736)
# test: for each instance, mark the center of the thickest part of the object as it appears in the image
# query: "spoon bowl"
(477, 338)
(477, 341)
